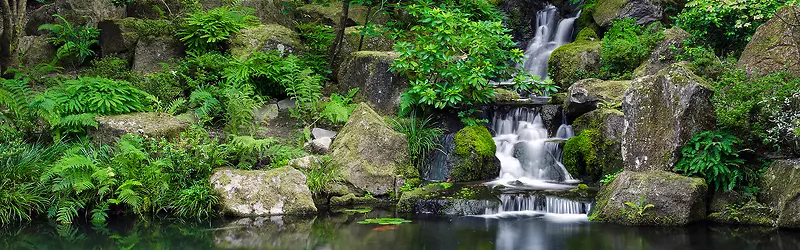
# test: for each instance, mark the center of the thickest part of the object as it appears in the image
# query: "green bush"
(318, 39)
(626, 45)
(204, 32)
(713, 156)
(449, 58)
(73, 43)
(726, 25)
(111, 68)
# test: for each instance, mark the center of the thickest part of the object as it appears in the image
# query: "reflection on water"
(341, 231)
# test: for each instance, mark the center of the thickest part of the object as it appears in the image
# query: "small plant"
(610, 177)
(205, 32)
(384, 221)
(640, 207)
(337, 111)
(263, 153)
(422, 136)
(74, 43)
(468, 118)
(322, 172)
(713, 156)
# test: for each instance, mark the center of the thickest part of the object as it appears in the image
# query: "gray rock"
(151, 53)
(266, 112)
(116, 39)
(780, 189)
(369, 71)
(602, 155)
(773, 47)
(676, 199)
(644, 11)
(77, 12)
(286, 104)
(263, 38)
(586, 95)
(304, 163)
(664, 54)
(250, 193)
(721, 200)
(571, 61)
(350, 44)
(321, 145)
(320, 133)
(271, 11)
(662, 112)
(370, 153)
(35, 50)
(158, 125)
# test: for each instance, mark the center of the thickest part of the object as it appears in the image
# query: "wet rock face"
(662, 112)
(249, 193)
(780, 189)
(153, 124)
(473, 157)
(378, 86)
(596, 150)
(675, 199)
(774, 47)
(371, 155)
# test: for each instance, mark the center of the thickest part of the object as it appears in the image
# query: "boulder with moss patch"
(575, 61)
(446, 199)
(665, 53)
(675, 199)
(596, 150)
(77, 12)
(774, 47)
(378, 86)
(780, 189)
(117, 39)
(150, 54)
(662, 113)
(748, 213)
(152, 124)
(644, 11)
(34, 50)
(371, 155)
(249, 193)
(473, 157)
(589, 94)
(351, 40)
(263, 38)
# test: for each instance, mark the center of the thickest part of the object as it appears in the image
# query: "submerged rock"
(574, 61)
(151, 53)
(675, 199)
(662, 112)
(153, 124)
(780, 189)
(371, 155)
(774, 47)
(665, 53)
(596, 150)
(588, 94)
(263, 38)
(369, 72)
(248, 193)
(473, 158)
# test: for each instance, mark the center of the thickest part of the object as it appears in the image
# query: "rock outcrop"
(596, 150)
(159, 125)
(588, 94)
(774, 47)
(371, 155)
(665, 53)
(651, 198)
(644, 11)
(263, 38)
(369, 72)
(662, 112)
(151, 53)
(473, 157)
(77, 12)
(251, 193)
(35, 50)
(780, 190)
(573, 61)
(117, 38)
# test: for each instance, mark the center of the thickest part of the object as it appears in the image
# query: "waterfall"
(436, 168)
(525, 205)
(545, 41)
(526, 152)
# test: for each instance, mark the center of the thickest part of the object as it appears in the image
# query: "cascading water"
(545, 41)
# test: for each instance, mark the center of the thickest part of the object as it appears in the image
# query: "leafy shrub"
(73, 43)
(20, 167)
(713, 156)
(205, 32)
(240, 106)
(726, 25)
(267, 71)
(150, 28)
(338, 110)
(626, 45)
(422, 136)
(449, 58)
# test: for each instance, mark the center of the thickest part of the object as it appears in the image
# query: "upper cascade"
(546, 41)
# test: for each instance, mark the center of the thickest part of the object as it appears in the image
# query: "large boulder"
(77, 12)
(371, 155)
(35, 50)
(665, 53)
(588, 94)
(662, 112)
(774, 47)
(151, 53)
(596, 149)
(473, 156)
(369, 71)
(675, 199)
(250, 193)
(118, 38)
(573, 61)
(644, 11)
(440, 198)
(263, 38)
(350, 44)
(152, 124)
(271, 11)
(780, 189)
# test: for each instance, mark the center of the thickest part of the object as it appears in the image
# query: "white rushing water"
(546, 40)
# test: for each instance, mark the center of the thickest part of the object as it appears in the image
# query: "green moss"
(351, 199)
(607, 10)
(148, 28)
(587, 34)
(475, 151)
(261, 36)
(575, 61)
(580, 154)
(474, 139)
(504, 95)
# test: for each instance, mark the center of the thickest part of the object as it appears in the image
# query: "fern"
(241, 104)
(337, 111)
(249, 149)
(204, 32)
(72, 42)
(206, 105)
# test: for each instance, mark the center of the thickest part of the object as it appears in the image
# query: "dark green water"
(341, 231)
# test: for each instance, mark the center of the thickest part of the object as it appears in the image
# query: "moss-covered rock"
(588, 94)
(151, 53)
(675, 199)
(662, 112)
(35, 50)
(665, 53)
(351, 199)
(77, 12)
(474, 156)
(780, 189)
(773, 47)
(587, 34)
(596, 150)
(369, 72)
(272, 11)
(350, 44)
(748, 213)
(370, 153)
(263, 38)
(644, 11)
(153, 124)
(574, 61)
(447, 199)
(248, 193)
(504, 96)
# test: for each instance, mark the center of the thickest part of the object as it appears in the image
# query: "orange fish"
(385, 228)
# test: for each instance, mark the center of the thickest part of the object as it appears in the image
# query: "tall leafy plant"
(626, 45)
(73, 42)
(423, 137)
(207, 31)
(713, 156)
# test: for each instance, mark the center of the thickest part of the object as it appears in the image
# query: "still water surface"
(341, 231)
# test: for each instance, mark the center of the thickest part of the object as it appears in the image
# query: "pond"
(342, 231)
